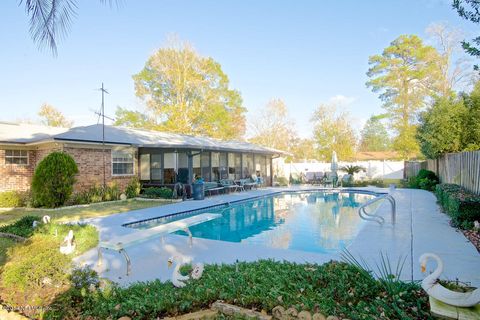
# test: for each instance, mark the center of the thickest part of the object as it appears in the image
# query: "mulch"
(474, 237)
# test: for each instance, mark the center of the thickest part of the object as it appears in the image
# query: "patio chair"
(230, 185)
(120, 243)
(212, 187)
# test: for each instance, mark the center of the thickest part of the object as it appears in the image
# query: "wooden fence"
(460, 168)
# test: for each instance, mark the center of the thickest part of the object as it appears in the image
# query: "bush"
(22, 227)
(133, 188)
(153, 192)
(97, 194)
(12, 199)
(425, 179)
(461, 205)
(53, 180)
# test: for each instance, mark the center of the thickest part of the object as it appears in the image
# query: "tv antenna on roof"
(102, 114)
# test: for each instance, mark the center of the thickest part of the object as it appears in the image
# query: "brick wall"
(90, 168)
(89, 162)
(15, 176)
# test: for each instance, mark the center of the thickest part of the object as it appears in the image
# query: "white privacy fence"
(375, 169)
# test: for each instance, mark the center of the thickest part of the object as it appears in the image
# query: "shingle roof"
(25, 134)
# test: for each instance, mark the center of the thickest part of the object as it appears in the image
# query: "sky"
(304, 52)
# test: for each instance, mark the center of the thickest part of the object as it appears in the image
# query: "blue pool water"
(321, 222)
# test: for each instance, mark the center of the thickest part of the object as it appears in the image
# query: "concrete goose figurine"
(178, 280)
(434, 289)
(46, 219)
(68, 245)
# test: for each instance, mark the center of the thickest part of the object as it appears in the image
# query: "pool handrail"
(362, 212)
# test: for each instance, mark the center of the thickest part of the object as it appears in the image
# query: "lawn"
(72, 214)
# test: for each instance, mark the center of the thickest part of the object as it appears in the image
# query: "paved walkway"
(420, 228)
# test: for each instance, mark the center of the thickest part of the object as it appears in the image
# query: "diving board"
(121, 242)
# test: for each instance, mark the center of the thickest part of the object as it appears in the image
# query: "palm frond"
(51, 20)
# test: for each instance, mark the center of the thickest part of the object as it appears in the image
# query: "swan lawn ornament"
(35, 224)
(178, 279)
(434, 289)
(68, 245)
(46, 219)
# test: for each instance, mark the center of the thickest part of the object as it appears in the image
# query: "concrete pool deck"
(420, 227)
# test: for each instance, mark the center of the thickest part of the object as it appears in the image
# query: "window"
(122, 163)
(156, 166)
(145, 166)
(16, 157)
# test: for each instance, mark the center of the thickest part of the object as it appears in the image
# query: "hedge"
(154, 192)
(462, 205)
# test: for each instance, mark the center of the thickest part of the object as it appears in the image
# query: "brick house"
(154, 157)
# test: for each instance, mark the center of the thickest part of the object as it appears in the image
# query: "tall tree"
(455, 73)
(441, 127)
(53, 117)
(51, 20)
(405, 75)
(302, 149)
(187, 93)
(272, 127)
(332, 131)
(134, 119)
(374, 135)
(471, 130)
(470, 10)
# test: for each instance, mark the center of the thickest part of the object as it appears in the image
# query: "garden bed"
(334, 288)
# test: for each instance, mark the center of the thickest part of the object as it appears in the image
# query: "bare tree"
(456, 74)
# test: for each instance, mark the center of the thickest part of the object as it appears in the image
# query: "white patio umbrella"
(334, 168)
(334, 164)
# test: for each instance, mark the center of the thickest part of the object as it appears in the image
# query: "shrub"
(53, 180)
(462, 206)
(153, 192)
(23, 227)
(97, 194)
(133, 188)
(12, 199)
(425, 179)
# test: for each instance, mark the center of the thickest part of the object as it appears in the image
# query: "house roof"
(28, 134)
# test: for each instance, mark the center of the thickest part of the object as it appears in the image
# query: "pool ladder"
(365, 215)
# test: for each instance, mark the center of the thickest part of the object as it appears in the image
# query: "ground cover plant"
(335, 288)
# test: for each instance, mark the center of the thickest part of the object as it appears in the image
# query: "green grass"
(34, 272)
(72, 214)
(335, 288)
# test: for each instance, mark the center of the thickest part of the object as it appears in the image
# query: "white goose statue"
(434, 289)
(46, 219)
(178, 279)
(68, 245)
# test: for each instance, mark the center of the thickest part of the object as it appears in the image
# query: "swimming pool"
(322, 222)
